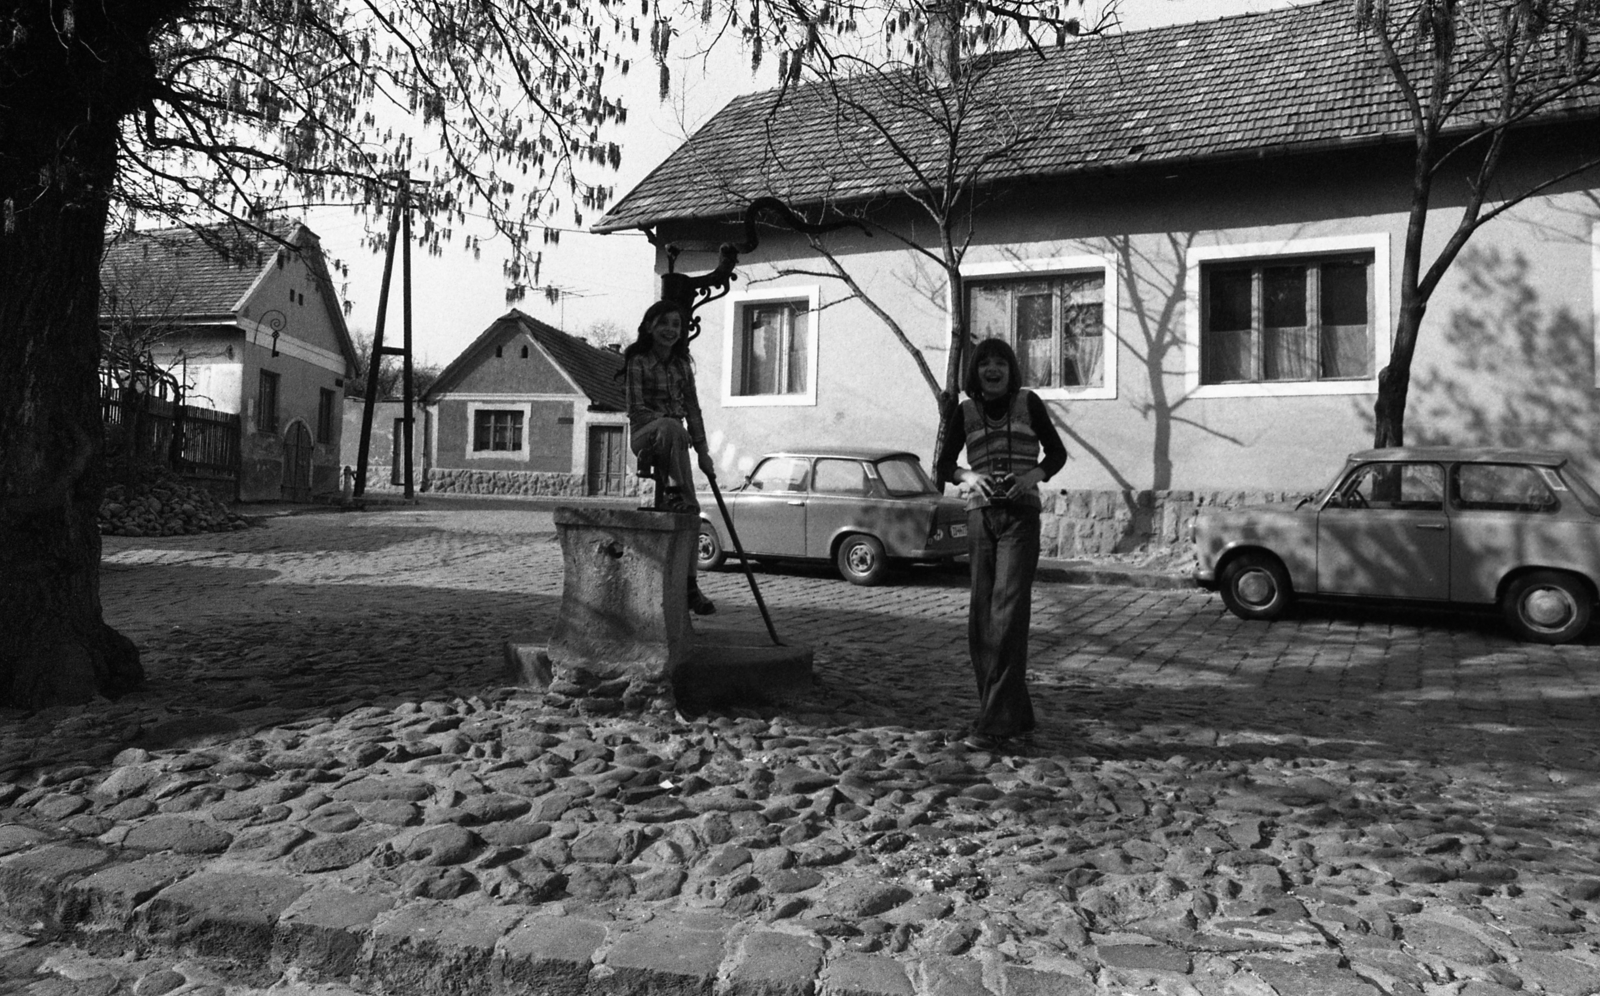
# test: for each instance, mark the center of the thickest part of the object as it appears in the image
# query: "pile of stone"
(165, 507)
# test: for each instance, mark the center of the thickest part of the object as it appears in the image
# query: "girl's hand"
(708, 466)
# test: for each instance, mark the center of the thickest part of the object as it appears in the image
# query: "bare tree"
(1472, 74)
(922, 108)
(390, 372)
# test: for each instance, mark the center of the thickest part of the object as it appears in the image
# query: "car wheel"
(709, 554)
(1546, 607)
(861, 560)
(1255, 586)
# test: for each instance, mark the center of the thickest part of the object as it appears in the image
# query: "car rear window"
(1503, 487)
(904, 476)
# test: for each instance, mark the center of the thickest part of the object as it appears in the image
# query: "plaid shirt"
(663, 390)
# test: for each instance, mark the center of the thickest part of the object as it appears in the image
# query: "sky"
(603, 278)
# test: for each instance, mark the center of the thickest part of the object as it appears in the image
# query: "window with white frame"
(770, 352)
(770, 348)
(497, 430)
(1056, 323)
(1058, 312)
(1295, 319)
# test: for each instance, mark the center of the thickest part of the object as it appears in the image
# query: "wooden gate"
(608, 460)
(297, 463)
(397, 453)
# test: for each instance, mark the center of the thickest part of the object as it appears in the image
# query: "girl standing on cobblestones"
(659, 388)
(1003, 427)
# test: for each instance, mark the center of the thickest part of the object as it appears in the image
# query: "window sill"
(769, 401)
(1285, 389)
(1075, 393)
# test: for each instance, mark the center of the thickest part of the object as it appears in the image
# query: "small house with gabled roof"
(246, 321)
(528, 410)
(1191, 234)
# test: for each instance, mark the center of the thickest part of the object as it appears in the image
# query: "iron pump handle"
(693, 291)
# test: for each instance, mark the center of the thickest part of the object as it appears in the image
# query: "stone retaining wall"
(510, 482)
(1105, 523)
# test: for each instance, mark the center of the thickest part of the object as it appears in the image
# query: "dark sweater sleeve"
(1055, 452)
(944, 462)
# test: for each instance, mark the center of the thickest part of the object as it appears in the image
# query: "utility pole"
(401, 214)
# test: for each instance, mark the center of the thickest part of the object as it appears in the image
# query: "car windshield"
(1582, 489)
(903, 475)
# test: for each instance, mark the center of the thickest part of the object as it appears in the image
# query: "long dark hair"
(983, 351)
(644, 342)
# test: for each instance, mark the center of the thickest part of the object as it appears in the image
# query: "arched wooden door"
(297, 463)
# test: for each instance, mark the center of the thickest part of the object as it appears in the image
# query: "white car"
(1517, 529)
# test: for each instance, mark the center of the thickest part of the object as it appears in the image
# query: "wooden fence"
(196, 442)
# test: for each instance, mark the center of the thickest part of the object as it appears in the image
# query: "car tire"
(861, 560)
(709, 554)
(1255, 586)
(1546, 607)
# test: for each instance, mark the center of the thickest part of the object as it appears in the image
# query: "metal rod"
(405, 309)
(733, 534)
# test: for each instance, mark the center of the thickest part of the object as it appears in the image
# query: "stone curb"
(262, 920)
(1114, 577)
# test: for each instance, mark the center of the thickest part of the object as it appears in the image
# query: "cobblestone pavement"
(325, 789)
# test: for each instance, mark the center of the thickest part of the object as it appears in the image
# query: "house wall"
(381, 449)
(555, 417)
(285, 299)
(1506, 355)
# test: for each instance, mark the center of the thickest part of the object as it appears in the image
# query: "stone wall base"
(513, 482)
(1098, 524)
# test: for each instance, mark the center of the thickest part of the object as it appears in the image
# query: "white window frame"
(1110, 310)
(733, 314)
(525, 454)
(1195, 260)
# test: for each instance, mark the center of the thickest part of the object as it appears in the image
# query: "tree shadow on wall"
(1518, 373)
(1151, 333)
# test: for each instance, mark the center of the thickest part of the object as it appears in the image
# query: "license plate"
(958, 530)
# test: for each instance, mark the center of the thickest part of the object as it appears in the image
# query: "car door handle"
(794, 503)
(1431, 525)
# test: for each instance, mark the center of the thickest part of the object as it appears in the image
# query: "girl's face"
(994, 376)
(666, 330)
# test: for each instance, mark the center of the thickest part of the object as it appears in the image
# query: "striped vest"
(1006, 445)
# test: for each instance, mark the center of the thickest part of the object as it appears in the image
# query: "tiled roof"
(205, 272)
(1297, 79)
(595, 370)
(202, 274)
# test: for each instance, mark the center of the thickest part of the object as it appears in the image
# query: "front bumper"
(1205, 577)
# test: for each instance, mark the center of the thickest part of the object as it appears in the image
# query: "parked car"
(1517, 529)
(864, 509)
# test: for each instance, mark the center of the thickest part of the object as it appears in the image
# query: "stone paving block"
(431, 947)
(1558, 973)
(19, 838)
(224, 914)
(322, 932)
(32, 883)
(774, 964)
(108, 898)
(550, 955)
(1019, 980)
(865, 975)
(946, 976)
(1311, 979)
(672, 955)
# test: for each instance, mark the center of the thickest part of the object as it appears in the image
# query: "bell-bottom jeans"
(1003, 545)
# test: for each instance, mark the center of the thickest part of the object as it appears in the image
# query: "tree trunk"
(1394, 380)
(66, 91)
